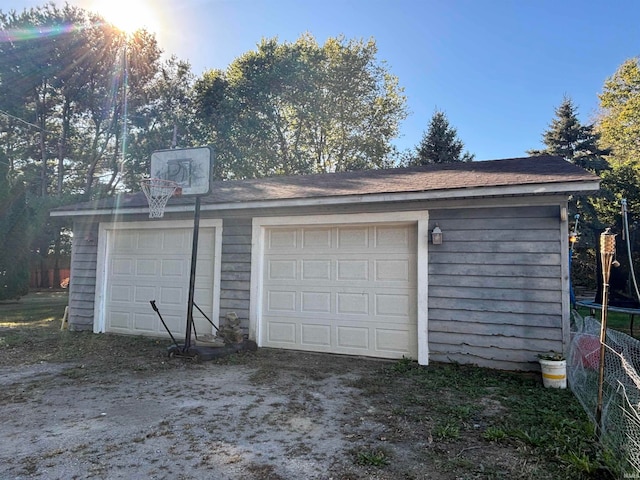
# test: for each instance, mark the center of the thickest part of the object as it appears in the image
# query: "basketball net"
(158, 193)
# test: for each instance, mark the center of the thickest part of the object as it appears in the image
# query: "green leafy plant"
(447, 431)
(403, 365)
(373, 458)
(553, 356)
(494, 434)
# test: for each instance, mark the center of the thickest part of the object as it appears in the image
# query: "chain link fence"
(620, 419)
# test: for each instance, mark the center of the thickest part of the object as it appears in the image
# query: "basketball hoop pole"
(192, 276)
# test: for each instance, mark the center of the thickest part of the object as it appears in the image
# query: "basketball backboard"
(190, 168)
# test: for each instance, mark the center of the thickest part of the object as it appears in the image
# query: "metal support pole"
(607, 254)
(192, 277)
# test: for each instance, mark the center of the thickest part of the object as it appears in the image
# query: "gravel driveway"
(277, 415)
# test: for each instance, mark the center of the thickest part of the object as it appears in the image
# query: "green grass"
(616, 321)
(546, 424)
(30, 333)
(373, 458)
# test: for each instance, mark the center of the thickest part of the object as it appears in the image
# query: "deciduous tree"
(296, 108)
(619, 119)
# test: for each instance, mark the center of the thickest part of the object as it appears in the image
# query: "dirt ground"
(136, 414)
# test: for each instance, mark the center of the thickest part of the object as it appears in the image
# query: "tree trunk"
(43, 150)
(56, 255)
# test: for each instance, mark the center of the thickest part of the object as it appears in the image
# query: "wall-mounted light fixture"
(436, 235)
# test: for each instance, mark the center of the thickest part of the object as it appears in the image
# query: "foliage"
(619, 128)
(619, 121)
(69, 82)
(440, 143)
(298, 108)
(553, 356)
(14, 230)
(578, 144)
(373, 458)
(575, 142)
(70, 88)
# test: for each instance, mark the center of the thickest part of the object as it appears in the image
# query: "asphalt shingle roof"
(429, 178)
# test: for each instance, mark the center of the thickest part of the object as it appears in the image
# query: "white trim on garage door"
(269, 300)
(142, 261)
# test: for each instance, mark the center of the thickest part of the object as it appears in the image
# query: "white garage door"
(344, 289)
(147, 264)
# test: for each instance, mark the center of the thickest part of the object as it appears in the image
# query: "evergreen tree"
(575, 142)
(14, 231)
(578, 144)
(440, 143)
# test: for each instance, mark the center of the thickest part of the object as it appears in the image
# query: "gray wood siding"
(82, 284)
(235, 274)
(495, 286)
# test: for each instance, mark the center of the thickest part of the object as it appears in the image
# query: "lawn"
(453, 421)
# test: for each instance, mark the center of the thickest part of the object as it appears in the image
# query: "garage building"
(344, 262)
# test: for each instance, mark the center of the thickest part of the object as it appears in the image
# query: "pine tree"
(440, 143)
(575, 142)
(578, 144)
(14, 237)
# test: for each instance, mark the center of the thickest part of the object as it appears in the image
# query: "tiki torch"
(607, 254)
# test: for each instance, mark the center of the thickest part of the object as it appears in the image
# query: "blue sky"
(497, 68)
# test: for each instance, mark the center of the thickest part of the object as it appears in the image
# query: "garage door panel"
(144, 322)
(315, 335)
(355, 238)
(341, 289)
(399, 270)
(281, 301)
(175, 321)
(352, 303)
(313, 238)
(353, 269)
(281, 332)
(170, 296)
(204, 269)
(142, 293)
(120, 293)
(353, 337)
(316, 302)
(124, 241)
(281, 269)
(147, 266)
(282, 239)
(393, 237)
(173, 267)
(387, 340)
(398, 305)
(312, 270)
(174, 239)
(119, 319)
(149, 240)
(122, 266)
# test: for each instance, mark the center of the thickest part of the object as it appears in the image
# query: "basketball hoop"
(158, 193)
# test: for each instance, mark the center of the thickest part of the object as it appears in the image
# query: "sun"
(129, 15)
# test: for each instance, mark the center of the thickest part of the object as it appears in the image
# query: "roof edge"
(374, 198)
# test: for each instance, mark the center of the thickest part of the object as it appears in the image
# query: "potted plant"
(554, 369)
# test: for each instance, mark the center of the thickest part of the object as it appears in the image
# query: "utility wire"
(25, 122)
